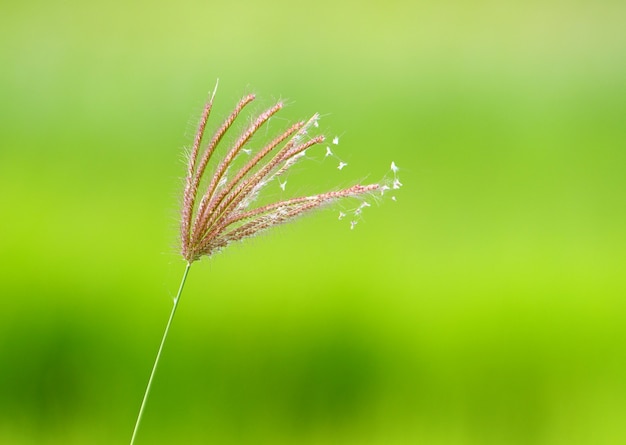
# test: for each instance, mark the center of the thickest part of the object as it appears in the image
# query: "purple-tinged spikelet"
(224, 212)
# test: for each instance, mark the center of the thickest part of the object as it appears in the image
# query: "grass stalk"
(156, 361)
(226, 213)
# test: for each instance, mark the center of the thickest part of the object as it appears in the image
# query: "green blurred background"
(485, 306)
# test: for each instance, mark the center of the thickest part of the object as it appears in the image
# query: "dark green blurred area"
(485, 306)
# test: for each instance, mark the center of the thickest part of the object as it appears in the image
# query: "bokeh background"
(485, 306)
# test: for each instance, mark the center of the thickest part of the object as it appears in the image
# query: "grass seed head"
(223, 211)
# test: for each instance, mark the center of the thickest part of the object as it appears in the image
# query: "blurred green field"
(485, 306)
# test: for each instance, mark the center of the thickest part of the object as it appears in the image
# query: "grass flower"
(218, 205)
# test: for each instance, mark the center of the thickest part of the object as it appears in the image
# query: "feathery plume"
(225, 211)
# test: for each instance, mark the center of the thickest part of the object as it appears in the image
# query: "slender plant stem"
(156, 361)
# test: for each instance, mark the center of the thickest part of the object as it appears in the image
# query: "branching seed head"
(223, 212)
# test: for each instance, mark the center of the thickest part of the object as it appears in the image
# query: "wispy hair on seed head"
(223, 211)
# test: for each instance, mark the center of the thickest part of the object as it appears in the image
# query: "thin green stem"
(156, 361)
